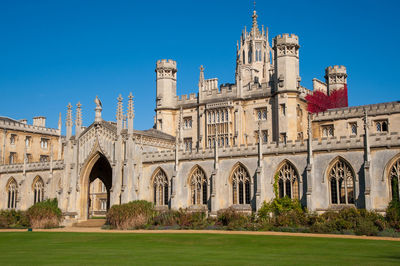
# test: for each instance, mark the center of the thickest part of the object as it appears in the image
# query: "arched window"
(250, 55)
(38, 190)
(12, 191)
(341, 180)
(241, 185)
(198, 187)
(288, 181)
(160, 184)
(394, 176)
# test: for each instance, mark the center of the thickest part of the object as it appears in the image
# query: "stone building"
(227, 144)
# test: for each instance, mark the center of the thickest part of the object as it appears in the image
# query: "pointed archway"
(97, 168)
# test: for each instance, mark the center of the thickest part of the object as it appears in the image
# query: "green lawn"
(212, 249)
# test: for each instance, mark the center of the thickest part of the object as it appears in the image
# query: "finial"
(120, 115)
(78, 120)
(68, 121)
(130, 106)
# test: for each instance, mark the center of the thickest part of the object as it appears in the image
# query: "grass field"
(174, 249)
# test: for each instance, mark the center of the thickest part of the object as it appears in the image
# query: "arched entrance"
(96, 183)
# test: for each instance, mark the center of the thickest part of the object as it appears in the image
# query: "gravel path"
(99, 230)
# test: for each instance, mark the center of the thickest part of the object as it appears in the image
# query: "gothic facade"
(226, 145)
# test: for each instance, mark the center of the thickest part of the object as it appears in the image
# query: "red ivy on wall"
(319, 101)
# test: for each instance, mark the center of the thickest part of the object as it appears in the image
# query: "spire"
(78, 119)
(59, 122)
(120, 114)
(201, 79)
(254, 28)
(131, 113)
(68, 122)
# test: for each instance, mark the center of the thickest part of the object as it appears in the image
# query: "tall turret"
(286, 85)
(336, 78)
(286, 54)
(166, 83)
(253, 55)
(166, 96)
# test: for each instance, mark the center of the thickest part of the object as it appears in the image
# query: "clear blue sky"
(55, 52)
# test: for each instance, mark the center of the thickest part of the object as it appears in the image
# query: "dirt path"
(99, 230)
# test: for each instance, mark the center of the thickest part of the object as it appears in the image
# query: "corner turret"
(336, 78)
(286, 54)
(166, 83)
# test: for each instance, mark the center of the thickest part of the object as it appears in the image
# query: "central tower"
(253, 56)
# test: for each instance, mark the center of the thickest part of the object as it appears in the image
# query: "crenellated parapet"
(336, 77)
(358, 111)
(32, 167)
(286, 45)
(16, 125)
(186, 99)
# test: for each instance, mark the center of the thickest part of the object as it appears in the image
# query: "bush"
(192, 220)
(393, 214)
(233, 219)
(166, 218)
(45, 214)
(13, 219)
(283, 212)
(359, 221)
(131, 215)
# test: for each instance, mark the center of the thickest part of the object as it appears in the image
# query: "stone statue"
(98, 102)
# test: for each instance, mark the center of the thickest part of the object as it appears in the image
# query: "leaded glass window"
(241, 186)
(288, 184)
(341, 179)
(160, 184)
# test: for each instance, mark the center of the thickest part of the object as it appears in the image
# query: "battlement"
(286, 39)
(166, 63)
(31, 167)
(358, 111)
(186, 99)
(347, 143)
(335, 70)
(17, 125)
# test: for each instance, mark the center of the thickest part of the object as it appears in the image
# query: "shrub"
(13, 219)
(166, 218)
(45, 214)
(131, 215)
(366, 227)
(191, 220)
(283, 212)
(393, 214)
(233, 219)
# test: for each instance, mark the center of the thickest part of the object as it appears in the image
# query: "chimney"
(39, 121)
(23, 121)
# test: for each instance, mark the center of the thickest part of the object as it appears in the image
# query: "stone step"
(91, 223)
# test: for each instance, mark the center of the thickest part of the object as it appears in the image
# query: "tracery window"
(288, 181)
(241, 186)
(381, 126)
(341, 179)
(38, 190)
(12, 190)
(218, 128)
(160, 185)
(394, 175)
(198, 187)
(327, 131)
